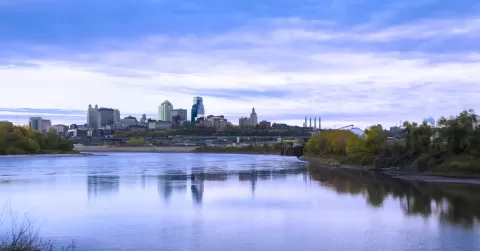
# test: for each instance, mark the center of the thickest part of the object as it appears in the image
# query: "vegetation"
(263, 149)
(453, 145)
(22, 140)
(199, 130)
(21, 235)
(136, 142)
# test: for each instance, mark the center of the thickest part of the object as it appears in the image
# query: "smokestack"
(305, 124)
(310, 122)
(320, 123)
(315, 123)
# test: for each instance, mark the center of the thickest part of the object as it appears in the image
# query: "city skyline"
(351, 63)
(57, 116)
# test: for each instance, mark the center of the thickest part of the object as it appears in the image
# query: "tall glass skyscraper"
(198, 110)
(165, 111)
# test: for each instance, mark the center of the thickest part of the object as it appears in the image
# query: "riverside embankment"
(316, 162)
(162, 149)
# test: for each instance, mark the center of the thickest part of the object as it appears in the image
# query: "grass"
(22, 235)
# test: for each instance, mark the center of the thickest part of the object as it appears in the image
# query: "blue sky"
(349, 61)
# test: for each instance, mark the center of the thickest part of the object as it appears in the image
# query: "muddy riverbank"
(398, 174)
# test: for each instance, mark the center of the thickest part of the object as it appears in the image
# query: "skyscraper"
(107, 116)
(39, 124)
(116, 115)
(253, 118)
(165, 111)
(198, 110)
(93, 117)
(180, 112)
(35, 123)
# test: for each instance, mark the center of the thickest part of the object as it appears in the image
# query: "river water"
(161, 201)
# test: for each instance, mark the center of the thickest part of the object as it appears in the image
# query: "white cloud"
(302, 61)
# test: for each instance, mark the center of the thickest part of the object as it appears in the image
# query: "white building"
(60, 129)
(165, 111)
(116, 115)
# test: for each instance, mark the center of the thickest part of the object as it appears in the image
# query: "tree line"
(210, 131)
(23, 140)
(453, 144)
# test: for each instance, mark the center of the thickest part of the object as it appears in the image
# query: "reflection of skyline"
(172, 182)
(104, 184)
(451, 203)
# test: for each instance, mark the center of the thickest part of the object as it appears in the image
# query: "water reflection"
(451, 203)
(177, 181)
(102, 185)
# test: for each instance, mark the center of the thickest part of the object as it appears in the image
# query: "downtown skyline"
(347, 62)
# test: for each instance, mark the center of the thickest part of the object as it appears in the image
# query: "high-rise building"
(93, 117)
(106, 116)
(143, 120)
(35, 123)
(116, 115)
(39, 124)
(180, 112)
(165, 111)
(46, 125)
(253, 118)
(243, 121)
(198, 111)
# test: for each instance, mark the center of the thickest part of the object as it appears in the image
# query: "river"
(189, 201)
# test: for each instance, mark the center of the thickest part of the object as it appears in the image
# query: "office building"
(198, 110)
(39, 124)
(35, 123)
(218, 122)
(253, 118)
(106, 116)
(116, 115)
(265, 123)
(93, 117)
(182, 113)
(46, 125)
(60, 129)
(243, 121)
(143, 120)
(165, 111)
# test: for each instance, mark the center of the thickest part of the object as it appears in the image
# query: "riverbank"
(161, 149)
(397, 173)
(260, 150)
(48, 155)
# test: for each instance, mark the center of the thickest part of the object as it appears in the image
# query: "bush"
(21, 235)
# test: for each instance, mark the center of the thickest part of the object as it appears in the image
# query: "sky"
(359, 62)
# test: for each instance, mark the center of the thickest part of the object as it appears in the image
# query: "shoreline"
(399, 174)
(59, 155)
(133, 149)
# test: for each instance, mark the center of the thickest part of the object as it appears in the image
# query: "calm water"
(145, 201)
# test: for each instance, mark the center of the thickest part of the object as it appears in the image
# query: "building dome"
(166, 102)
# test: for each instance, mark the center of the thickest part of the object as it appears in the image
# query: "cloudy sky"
(350, 61)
